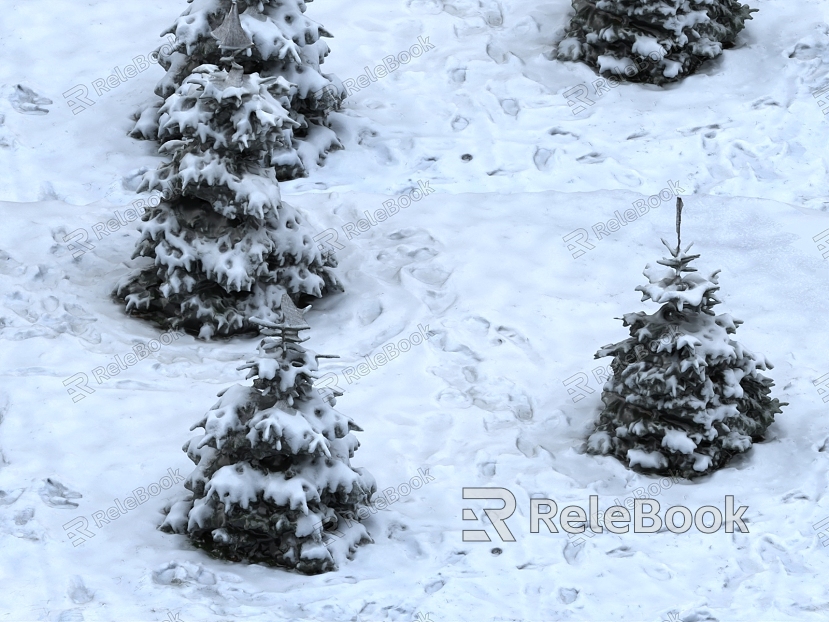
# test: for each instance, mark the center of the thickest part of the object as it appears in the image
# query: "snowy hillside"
(504, 390)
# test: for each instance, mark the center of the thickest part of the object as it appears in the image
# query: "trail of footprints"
(461, 369)
(412, 259)
(37, 311)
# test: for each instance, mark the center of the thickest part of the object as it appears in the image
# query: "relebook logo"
(78, 530)
(574, 520)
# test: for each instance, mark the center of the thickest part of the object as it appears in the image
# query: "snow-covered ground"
(512, 317)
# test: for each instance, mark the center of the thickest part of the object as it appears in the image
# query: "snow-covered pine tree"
(224, 247)
(655, 41)
(273, 475)
(284, 43)
(684, 397)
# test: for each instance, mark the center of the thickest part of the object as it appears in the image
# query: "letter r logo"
(77, 532)
(580, 93)
(79, 384)
(327, 240)
(578, 242)
(581, 390)
(496, 517)
(327, 386)
(76, 98)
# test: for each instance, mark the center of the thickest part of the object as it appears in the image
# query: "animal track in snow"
(56, 495)
(21, 524)
(201, 585)
(469, 385)
(25, 101)
(174, 573)
(45, 318)
(78, 592)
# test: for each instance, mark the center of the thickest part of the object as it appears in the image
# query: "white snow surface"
(481, 262)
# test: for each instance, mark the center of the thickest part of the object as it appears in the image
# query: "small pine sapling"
(273, 478)
(684, 396)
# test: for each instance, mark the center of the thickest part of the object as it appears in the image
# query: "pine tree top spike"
(291, 316)
(230, 34)
(678, 223)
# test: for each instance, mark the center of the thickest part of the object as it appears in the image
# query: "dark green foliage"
(653, 41)
(223, 247)
(273, 478)
(684, 396)
(275, 39)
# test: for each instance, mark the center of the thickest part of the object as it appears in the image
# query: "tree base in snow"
(646, 455)
(685, 396)
(242, 539)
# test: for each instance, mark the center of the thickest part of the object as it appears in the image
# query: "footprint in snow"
(401, 533)
(510, 107)
(26, 101)
(24, 516)
(567, 595)
(174, 573)
(497, 52)
(434, 586)
(572, 552)
(9, 265)
(468, 384)
(515, 337)
(772, 549)
(433, 277)
(541, 159)
(438, 302)
(459, 123)
(47, 318)
(622, 551)
(7, 497)
(56, 495)
(659, 572)
(78, 592)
